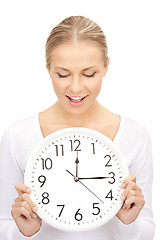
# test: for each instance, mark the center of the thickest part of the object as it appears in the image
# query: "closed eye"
(90, 75)
(64, 76)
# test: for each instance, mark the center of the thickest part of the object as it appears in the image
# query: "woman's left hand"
(133, 200)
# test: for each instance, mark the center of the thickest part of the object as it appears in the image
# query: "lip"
(76, 96)
(76, 104)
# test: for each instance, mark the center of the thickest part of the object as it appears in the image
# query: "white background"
(131, 87)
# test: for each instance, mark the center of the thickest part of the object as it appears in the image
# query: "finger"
(22, 204)
(130, 196)
(128, 179)
(19, 209)
(25, 197)
(25, 205)
(134, 193)
(21, 188)
(131, 186)
(138, 201)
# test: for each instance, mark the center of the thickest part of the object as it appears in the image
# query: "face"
(77, 71)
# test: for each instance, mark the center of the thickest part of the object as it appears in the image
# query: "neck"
(76, 119)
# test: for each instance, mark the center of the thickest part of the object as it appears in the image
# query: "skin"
(76, 57)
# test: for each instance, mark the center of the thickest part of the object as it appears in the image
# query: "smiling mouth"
(76, 99)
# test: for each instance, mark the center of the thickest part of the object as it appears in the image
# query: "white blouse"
(20, 139)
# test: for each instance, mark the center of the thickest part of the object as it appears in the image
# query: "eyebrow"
(82, 70)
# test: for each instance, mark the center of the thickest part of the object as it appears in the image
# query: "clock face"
(75, 175)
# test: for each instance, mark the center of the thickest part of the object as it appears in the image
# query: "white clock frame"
(76, 187)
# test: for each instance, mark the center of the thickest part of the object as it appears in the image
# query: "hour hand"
(94, 178)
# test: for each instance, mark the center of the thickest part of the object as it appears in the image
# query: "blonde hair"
(76, 28)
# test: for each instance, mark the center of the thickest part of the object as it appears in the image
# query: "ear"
(106, 67)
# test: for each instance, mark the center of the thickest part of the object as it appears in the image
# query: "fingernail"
(33, 215)
(35, 209)
(122, 198)
(123, 185)
(28, 190)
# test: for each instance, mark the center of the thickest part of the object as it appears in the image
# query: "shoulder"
(22, 126)
(16, 133)
(21, 137)
(133, 139)
(134, 130)
(22, 131)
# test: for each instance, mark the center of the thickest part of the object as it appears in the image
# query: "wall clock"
(75, 176)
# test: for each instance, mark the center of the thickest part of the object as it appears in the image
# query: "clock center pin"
(76, 179)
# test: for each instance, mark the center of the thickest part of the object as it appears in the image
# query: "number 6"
(78, 216)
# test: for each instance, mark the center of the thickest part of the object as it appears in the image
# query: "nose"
(76, 85)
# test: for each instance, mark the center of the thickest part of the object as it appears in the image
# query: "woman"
(77, 60)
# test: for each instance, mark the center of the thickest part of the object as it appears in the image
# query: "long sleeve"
(10, 174)
(142, 167)
(16, 145)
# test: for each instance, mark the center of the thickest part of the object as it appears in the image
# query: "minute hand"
(94, 178)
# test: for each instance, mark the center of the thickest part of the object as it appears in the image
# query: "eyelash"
(64, 76)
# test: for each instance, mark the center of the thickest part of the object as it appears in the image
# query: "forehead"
(77, 53)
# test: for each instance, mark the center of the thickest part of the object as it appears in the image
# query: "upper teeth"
(76, 98)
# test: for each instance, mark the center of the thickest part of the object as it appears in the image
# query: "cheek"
(95, 86)
(58, 86)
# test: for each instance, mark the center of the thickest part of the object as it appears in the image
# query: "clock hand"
(93, 178)
(91, 191)
(77, 161)
(84, 185)
(70, 173)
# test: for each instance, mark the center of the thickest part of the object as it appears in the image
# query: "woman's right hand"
(24, 212)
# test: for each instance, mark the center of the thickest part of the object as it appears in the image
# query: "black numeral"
(45, 199)
(73, 147)
(46, 163)
(93, 148)
(97, 209)
(112, 177)
(57, 149)
(108, 161)
(42, 180)
(109, 195)
(61, 209)
(78, 216)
